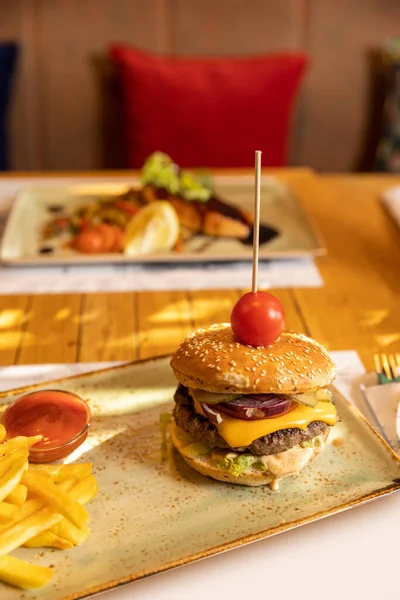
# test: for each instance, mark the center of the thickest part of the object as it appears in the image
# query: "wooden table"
(358, 307)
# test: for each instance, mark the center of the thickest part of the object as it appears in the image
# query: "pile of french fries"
(40, 506)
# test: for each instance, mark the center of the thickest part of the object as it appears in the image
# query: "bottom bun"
(284, 464)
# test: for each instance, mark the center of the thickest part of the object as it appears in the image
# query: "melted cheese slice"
(238, 432)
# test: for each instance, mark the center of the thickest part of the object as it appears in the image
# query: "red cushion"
(212, 112)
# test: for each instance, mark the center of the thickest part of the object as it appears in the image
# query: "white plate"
(280, 209)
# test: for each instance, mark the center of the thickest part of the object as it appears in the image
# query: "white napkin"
(383, 400)
(391, 200)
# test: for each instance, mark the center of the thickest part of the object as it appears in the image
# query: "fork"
(387, 367)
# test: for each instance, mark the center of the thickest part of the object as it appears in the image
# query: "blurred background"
(60, 97)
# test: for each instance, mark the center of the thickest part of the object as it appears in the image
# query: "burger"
(251, 415)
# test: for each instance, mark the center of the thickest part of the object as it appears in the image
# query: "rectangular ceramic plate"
(152, 514)
(280, 209)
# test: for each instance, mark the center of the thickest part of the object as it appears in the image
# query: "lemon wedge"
(155, 228)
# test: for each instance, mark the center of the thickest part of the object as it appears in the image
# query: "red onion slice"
(251, 407)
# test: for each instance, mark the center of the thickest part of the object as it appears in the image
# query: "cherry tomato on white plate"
(89, 241)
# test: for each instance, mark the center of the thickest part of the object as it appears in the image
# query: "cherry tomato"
(89, 241)
(109, 238)
(257, 319)
(119, 240)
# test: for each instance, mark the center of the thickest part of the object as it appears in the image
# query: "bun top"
(211, 359)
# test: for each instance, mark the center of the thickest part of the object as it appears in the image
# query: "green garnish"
(238, 465)
(160, 170)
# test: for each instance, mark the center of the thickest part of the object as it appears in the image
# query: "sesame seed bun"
(251, 477)
(211, 359)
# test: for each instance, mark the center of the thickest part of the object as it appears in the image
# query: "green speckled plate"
(153, 514)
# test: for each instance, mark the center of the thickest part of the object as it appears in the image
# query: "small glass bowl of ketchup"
(62, 418)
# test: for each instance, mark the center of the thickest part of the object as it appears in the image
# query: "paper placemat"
(124, 278)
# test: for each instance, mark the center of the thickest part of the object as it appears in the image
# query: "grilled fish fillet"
(214, 217)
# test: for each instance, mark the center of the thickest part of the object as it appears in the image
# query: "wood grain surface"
(357, 308)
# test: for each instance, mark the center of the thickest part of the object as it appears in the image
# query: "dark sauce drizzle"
(267, 232)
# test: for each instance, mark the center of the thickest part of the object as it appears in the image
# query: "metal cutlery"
(387, 367)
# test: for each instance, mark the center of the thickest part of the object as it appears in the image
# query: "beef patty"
(205, 432)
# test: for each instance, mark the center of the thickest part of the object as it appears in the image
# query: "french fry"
(19, 442)
(12, 476)
(85, 490)
(35, 504)
(80, 471)
(61, 472)
(22, 574)
(49, 469)
(65, 530)
(48, 539)
(19, 532)
(11, 458)
(40, 506)
(42, 486)
(18, 495)
(7, 512)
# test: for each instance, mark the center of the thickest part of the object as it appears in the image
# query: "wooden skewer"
(256, 225)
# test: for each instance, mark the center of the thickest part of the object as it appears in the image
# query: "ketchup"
(62, 418)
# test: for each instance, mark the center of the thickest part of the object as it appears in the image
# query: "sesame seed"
(218, 368)
(257, 381)
(254, 369)
(248, 369)
(279, 386)
(232, 369)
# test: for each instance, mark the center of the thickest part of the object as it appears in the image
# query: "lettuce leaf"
(161, 171)
(238, 465)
